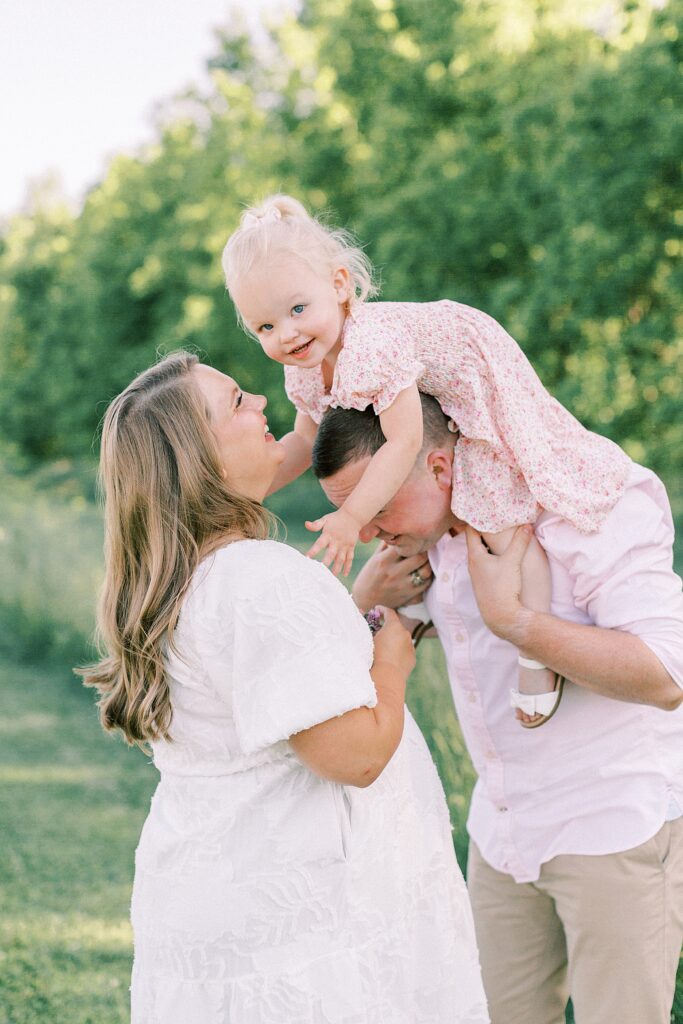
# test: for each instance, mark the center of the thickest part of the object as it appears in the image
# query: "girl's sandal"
(543, 705)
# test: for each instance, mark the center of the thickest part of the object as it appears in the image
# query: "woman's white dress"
(264, 894)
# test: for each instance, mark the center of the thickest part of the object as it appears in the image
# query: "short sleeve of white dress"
(297, 652)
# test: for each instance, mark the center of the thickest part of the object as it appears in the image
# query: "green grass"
(72, 803)
(50, 567)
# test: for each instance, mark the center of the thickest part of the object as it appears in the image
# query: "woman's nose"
(258, 401)
(367, 534)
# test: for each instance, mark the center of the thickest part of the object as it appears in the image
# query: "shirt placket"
(457, 649)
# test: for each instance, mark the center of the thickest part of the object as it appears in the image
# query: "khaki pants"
(606, 930)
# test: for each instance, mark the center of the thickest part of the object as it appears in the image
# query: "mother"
(296, 866)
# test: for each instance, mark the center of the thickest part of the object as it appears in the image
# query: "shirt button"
(471, 697)
(459, 638)
(502, 810)
(445, 577)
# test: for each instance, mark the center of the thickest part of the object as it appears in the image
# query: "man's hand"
(611, 662)
(497, 583)
(389, 579)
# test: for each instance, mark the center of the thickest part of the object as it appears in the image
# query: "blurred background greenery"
(521, 156)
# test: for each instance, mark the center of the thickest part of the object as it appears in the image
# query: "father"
(576, 828)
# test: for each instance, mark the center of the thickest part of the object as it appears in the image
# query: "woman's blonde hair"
(167, 504)
(281, 224)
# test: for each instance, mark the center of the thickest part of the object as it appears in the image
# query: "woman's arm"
(297, 444)
(354, 748)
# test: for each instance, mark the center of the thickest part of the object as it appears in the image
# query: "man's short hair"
(347, 435)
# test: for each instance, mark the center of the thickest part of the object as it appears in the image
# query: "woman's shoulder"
(249, 569)
(247, 560)
(274, 591)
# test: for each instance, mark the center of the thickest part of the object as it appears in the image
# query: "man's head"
(420, 512)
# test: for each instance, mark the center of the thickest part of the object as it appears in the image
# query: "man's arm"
(611, 662)
(386, 578)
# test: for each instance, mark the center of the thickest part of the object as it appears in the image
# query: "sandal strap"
(534, 703)
(530, 663)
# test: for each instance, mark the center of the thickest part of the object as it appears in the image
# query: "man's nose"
(368, 533)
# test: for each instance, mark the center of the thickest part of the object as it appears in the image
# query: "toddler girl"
(300, 289)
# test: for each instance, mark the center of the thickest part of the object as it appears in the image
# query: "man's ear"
(440, 467)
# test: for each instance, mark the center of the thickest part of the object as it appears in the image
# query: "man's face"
(416, 517)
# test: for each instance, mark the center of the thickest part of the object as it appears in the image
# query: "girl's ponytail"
(281, 225)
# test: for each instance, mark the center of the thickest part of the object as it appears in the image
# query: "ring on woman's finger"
(417, 578)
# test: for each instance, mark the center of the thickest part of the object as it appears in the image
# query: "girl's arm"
(389, 467)
(353, 749)
(297, 444)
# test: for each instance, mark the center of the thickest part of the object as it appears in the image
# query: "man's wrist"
(520, 627)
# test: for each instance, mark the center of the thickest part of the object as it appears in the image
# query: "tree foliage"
(523, 157)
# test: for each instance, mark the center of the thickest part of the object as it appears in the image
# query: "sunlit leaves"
(521, 157)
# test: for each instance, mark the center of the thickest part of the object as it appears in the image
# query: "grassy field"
(72, 803)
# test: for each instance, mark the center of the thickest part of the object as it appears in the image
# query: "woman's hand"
(389, 579)
(394, 645)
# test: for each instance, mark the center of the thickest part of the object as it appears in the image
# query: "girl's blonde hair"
(167, 505)
(282, 224)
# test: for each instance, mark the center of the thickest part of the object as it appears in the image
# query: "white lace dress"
(264, 894)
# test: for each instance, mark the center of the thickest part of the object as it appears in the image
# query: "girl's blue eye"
(266, 327)
(298, 309)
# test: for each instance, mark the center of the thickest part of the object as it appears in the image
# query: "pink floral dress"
(519, 450)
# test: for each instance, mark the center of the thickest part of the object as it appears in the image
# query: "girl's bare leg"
(536, 595)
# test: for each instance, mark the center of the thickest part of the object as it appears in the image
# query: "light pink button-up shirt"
(602, 775)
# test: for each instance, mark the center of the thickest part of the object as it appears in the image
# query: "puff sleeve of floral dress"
(264, 894)
(519, 450)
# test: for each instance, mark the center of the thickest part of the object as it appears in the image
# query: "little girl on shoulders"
(301, 290)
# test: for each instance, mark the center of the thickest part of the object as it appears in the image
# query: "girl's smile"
(302, 350)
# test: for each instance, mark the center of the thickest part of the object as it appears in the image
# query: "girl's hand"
(394, 644)
(339, 537)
